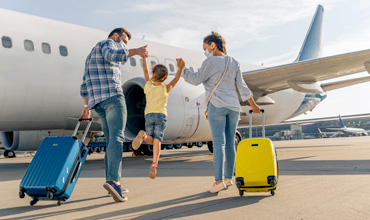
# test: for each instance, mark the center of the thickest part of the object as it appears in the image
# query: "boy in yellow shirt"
(156, 108)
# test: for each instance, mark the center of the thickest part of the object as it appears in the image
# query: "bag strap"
(214, 90)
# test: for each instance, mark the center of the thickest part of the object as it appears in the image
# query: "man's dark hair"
(217, 39)
(120, 31)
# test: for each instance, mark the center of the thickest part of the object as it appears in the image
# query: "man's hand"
(86, 113)
(138, 51)
(180, 63)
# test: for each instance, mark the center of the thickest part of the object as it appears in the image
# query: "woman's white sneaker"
(228, 182)
(217, 187)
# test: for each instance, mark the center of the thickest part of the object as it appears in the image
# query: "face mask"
(121, 45)
(207, 53)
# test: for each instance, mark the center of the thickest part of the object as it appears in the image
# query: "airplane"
(42, 63)
(349, 131)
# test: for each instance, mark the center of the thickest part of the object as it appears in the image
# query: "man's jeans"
(223, 123)
(113, 115)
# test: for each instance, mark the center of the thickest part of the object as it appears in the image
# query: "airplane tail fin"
(341, 122)
(312, 45)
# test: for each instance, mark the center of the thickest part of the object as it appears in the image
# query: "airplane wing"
(303, 76)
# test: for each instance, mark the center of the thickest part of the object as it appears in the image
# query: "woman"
(224, 105)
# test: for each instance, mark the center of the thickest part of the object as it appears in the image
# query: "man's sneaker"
(115, 190)
(217, 187)
(138, 140)
(228, 182)
(123, 190)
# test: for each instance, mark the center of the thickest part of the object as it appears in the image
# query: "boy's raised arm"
(180, 65)
(145, 67)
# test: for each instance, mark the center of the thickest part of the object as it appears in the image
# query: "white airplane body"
(349, 131)
(40, 92)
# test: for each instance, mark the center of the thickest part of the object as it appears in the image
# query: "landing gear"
(9, 154)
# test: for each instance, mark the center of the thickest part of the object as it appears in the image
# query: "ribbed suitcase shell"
(57, 164)
(255, 162)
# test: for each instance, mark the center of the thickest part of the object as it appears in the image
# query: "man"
(101, 90)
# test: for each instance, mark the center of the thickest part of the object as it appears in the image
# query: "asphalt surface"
(318, 179)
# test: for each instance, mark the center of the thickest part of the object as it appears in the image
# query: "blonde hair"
(161, 73)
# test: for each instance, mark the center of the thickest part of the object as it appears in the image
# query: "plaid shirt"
(102, 77)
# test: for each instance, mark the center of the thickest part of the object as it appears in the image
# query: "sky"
(267, 32)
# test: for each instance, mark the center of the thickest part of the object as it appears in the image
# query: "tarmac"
(318, 179)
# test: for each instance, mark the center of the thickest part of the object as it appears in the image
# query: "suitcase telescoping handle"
(87, 127)
(250, 123)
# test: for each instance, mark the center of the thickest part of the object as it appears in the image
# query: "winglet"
(312, 45)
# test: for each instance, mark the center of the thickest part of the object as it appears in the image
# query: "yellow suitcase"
(256, 163)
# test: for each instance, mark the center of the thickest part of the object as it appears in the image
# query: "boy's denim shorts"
(155, 124)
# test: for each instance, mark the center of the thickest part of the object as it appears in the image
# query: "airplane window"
(172, 68)
(132, 61)
(63, 50)
(141, 62)
(46, 48)
(192, 69)
(7, 42)
(28, 45)
(152, 63)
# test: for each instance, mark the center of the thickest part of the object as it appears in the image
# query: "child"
(156, 108)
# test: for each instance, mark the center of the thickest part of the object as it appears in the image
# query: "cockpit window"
(28, 45)
(46, 48)
(7, 42)
(63, 50)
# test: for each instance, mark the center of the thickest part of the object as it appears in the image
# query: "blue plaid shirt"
(102, 77)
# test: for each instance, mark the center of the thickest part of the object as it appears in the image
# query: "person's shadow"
(181, 210)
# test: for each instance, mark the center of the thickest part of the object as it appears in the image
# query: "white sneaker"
(217, 187)
(228, 182)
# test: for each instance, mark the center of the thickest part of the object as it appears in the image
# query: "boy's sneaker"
(115, 190)
(228, 182)
(123, 190)
(217, 187)
(138, 140)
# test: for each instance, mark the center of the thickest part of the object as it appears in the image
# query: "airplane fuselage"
(39, 87)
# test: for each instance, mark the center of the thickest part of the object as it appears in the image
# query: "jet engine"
(25, 140)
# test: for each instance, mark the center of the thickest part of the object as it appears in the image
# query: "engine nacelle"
(185, 107)
(25, 140)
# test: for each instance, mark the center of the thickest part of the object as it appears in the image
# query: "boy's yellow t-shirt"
(156, 98)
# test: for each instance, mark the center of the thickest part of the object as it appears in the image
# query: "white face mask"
(121, 45)
(207, 53)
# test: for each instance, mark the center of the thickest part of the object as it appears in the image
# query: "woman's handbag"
(209, 99)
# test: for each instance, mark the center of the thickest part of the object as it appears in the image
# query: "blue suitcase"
(53, 172)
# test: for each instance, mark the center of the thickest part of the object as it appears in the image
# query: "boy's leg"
(156, 150)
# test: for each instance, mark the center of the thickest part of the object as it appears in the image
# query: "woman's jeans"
(223, 123)
(113, 115)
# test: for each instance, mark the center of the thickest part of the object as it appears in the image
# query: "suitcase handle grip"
(250, 123)
(87, 127)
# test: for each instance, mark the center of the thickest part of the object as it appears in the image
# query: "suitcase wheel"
(21, 194)
(272, 192)
(34, 201)
(49, 195)
(241, 192)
